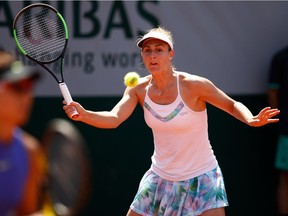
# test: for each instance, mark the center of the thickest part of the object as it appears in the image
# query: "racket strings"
(41, 34)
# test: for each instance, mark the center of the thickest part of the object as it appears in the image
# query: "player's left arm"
(213, 95)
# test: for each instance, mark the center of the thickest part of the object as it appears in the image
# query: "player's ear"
(171, 53)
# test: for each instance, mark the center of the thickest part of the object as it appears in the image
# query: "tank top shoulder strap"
(178, 85)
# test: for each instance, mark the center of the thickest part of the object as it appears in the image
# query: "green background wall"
(119, 157)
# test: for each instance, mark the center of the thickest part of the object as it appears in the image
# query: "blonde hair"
(164, 31)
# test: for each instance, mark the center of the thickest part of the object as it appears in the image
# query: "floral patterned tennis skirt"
(159, 197)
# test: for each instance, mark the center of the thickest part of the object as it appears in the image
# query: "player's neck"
(163, 80)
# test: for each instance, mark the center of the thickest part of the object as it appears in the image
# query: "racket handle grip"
(67, 96)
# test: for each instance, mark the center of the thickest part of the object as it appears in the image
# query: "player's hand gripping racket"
(41, 34)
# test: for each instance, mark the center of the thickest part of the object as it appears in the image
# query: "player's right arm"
(106, 119)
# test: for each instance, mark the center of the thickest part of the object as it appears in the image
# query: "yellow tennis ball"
(131, 79)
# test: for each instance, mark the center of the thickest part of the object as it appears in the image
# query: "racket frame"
(62, 85)
(63, 128)
(61, 56)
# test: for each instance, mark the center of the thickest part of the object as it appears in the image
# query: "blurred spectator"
(278, 98)
(21, 157)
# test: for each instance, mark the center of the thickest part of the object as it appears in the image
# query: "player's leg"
(132, 213)
(214, 212)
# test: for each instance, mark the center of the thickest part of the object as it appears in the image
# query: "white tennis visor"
(156, 35)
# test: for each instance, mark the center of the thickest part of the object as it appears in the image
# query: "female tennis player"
(184, 178)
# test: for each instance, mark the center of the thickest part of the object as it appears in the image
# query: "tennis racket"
(68, 168)
(41, 34)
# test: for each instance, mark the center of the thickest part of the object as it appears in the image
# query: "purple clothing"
(13, 173)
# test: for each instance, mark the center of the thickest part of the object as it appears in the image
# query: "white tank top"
(182, 148)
